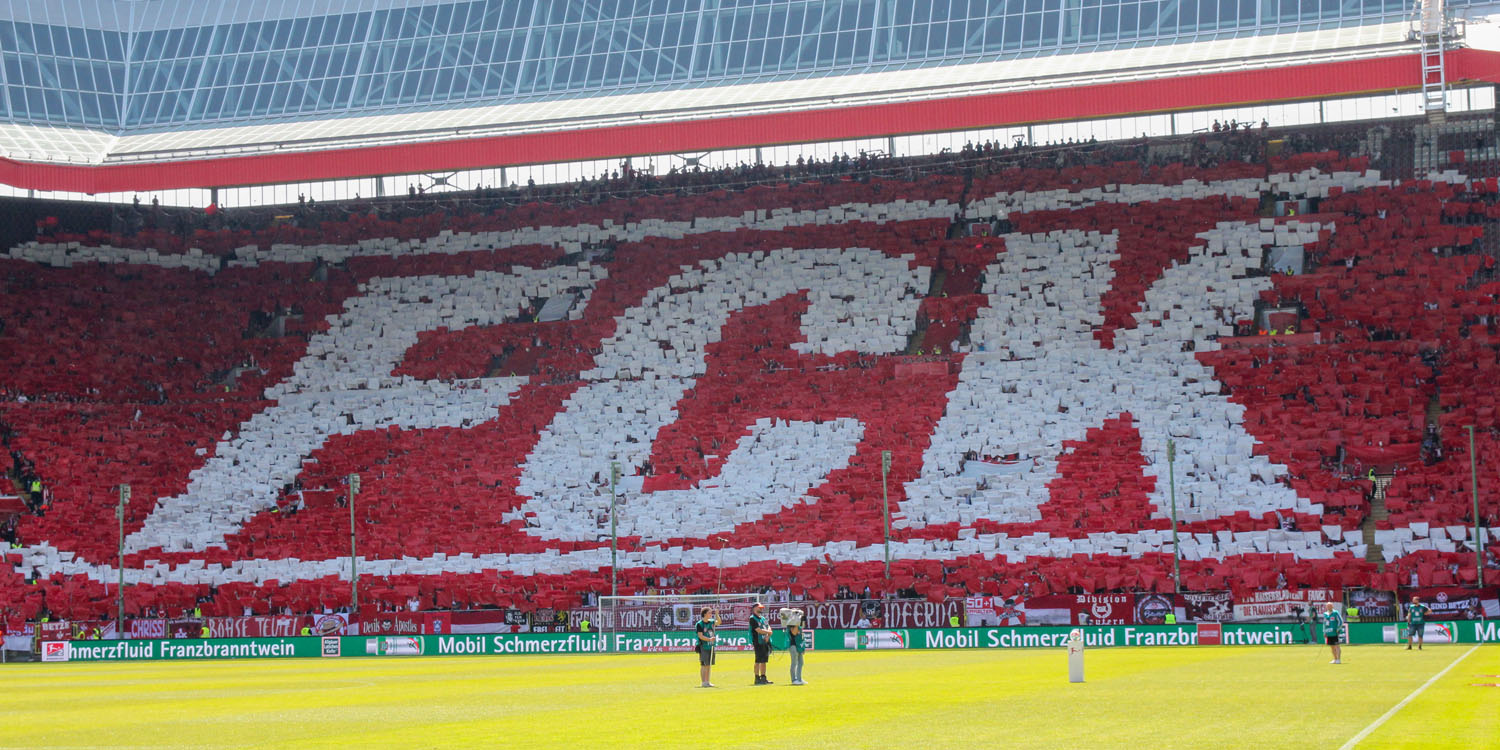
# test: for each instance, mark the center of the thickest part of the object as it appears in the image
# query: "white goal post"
(670, 612)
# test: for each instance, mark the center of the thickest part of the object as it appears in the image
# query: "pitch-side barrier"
(512, 644)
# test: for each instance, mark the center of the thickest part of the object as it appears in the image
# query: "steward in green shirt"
(707, 637)
(1333, 628)
(1416, 622)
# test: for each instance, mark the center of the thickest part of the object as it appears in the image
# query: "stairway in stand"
(1378, 512)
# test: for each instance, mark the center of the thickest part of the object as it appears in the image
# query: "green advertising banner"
(504, 644)
(143, 650)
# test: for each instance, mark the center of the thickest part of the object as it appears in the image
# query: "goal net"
(621, 615)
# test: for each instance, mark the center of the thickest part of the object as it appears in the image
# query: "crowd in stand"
(1226, 143)
(973, 161)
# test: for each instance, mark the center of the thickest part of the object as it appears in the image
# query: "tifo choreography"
(869, 307)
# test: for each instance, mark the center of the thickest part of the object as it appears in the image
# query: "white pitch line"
(1358, 738)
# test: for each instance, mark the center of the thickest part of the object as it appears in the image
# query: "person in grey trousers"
(793, 620)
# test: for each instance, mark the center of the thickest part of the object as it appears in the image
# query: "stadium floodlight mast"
(885, 507)
(1172, 485)
(120, 589)
(614, 477)
(1474, 490)
(353, 549)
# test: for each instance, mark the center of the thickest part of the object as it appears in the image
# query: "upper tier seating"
(741, 357)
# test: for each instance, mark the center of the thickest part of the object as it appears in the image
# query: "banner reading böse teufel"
(1455, 603)
(275, 626)
(1281, 604)
(1103, 609)
(251, 627)
(1207, 606)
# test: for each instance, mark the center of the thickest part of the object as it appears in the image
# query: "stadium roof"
(1242, 61)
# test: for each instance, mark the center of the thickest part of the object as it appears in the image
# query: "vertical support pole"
(120, 549)
(719, 589)
(1172, 484)
(885, 507)
(614, 478)
(353, 548)
(1474, 490)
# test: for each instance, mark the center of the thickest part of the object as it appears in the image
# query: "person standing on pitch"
(1416, 622)
(760, 638)
(1333, 628)
(707, 638)
(792, 618)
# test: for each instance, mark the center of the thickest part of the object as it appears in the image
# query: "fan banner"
(1454, 603)
(55, 631)
(659, 616)
(149, 628)
(1281, 604)
(1103, 609)
(895, 613)
(981, 611)
(1060, 609)
(392, 623)
(1207, 606)
(1373, 604)
(185, 628)
(888, 613)
(487, 621)
(279, 626)
(1152, 609)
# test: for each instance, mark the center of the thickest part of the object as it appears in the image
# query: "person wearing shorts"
(1416, 622)
(1333, 628)
(708, 636)
(760, 639)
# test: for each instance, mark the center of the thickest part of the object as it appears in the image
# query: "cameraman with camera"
(792, 619)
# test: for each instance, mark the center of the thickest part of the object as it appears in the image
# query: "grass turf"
(1206, 697)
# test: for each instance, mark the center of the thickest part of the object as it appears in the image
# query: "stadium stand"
(1023, 329)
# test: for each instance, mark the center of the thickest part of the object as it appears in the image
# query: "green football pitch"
(1204, 697)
